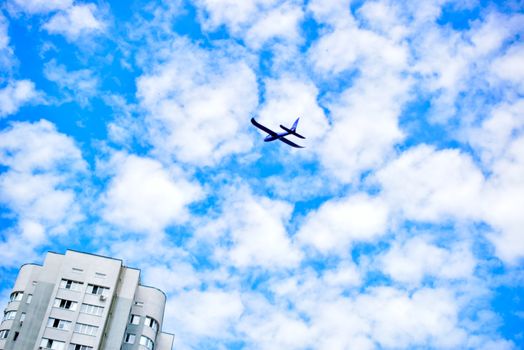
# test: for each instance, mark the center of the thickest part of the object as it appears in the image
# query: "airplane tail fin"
(293, 129)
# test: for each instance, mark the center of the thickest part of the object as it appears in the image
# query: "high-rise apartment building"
(79, 301)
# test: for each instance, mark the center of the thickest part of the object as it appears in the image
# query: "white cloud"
(15, 94)
(40, 6)
(288, 98)
(198, 103)
(252, 230)
(426, 184)
(175, 277)
(385, 17)
(333, 12)
(75, 21)
(256, 21)
(42, 165)
(38, 147)
(509, 67)
(451, 62)
(504, 201)
(4, 36)
(365, 126)
(349, 47)
(496, 132)
(145, 196)
(299, 187)
(428, 317)
(418, 258)
(80, 84)
(281, 23)
(6, 52)
(338, 223)
(19, 243)
(267, 326)
(201, 314)
(365, 115)
(382, 316)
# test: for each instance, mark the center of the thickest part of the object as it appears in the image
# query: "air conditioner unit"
(102, 298)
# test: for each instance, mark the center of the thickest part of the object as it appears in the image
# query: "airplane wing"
(262, 127)
(292, 144)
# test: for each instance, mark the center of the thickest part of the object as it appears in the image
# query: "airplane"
(280, 136)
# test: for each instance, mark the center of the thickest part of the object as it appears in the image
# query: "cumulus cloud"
(376, 317)
(450, 62)
(288, 98)
(81, 84)
(508, 67)
(66, 18)
(6, 52)
(256, 21)
(427, 184)
(201, 315)
(427, 318)
(504, 200)
(75, 21)
(348, 46)
(36, 187)
(364, 127)
(339, 223)
(145, 196)
(15, 94)
(418, 258)
(197, 103)
(251, 231)
(40, 6)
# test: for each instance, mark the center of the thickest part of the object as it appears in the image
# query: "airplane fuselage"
(270, 138)
(279, 136)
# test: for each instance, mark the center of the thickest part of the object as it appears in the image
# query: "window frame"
(16, 296)
(71, 285)
(7, 315)
(149, 343)
(134, 316)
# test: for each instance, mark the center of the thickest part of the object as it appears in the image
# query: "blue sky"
(124, 131)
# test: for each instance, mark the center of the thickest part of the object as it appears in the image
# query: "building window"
(29, 298)
(97, 290)
(22, 317)
(17, 296)
(72, 285)
(52, 344)
(85, 329)
(100, 274)
(9, 315)
(148, 343)
(130, 338)
(139, 303)
(4, 333)
(79, 347)
(76, 269)
(16, 336)
(92, 309)
(135, 319)
(59, 324)
(151, 322)
(65, 304)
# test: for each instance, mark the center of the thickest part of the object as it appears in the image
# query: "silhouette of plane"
(280, 136)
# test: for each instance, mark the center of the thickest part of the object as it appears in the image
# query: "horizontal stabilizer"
(292, 132)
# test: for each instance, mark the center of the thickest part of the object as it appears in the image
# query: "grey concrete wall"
(35, 314)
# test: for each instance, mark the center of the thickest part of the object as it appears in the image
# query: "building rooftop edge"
(160, 290)
(100, 256)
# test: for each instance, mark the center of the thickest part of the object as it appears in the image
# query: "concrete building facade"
(78, 301)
